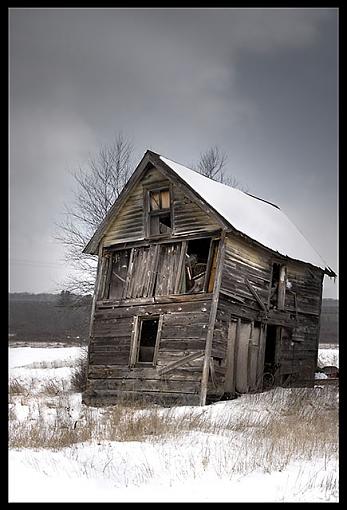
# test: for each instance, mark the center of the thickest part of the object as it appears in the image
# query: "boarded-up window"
(119, 270)
(159, 200)
(168, 267)
(143, 272)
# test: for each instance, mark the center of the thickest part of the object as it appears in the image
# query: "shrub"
(79, 373)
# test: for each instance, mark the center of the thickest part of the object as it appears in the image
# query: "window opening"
(148, 331)
(159, 212)
(197, 257)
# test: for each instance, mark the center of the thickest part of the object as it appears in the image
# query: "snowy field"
(276, 446)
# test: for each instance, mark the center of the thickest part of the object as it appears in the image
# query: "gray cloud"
(259, 82)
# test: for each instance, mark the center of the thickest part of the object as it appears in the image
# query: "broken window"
(278, 287)
(160, 221)
(119, 270)
(164, 269)
(146, 341)
(200, 266)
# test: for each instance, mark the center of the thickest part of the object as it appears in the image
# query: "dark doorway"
(270, 346)
(276, 268)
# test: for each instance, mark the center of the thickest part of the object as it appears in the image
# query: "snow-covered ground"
(328, 356)
(248, 449)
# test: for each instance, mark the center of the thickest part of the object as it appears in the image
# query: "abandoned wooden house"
(200, 290)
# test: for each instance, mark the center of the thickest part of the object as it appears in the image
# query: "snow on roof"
(259, 220)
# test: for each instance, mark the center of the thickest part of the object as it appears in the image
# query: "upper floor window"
(187, 267)
(159, 212)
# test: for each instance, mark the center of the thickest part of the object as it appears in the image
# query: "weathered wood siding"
(243, 260)
(184, 330)
(188, 216)
(297, 353)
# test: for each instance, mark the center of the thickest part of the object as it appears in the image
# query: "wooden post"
(229, 386)
(134, 342)
(242, 366)
(212, 320)
(261, 355)
(281, 288)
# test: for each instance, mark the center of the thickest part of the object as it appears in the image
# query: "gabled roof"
(259, 220)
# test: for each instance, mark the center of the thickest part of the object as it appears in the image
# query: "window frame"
(148, 214)
(135, 341)
(214, 246)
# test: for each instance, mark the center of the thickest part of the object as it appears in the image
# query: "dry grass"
(52, 388)
(47, 364)
(297, 425)
(79, 373)
(298, 422)
(16, 387)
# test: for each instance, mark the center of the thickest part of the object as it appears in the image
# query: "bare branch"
(212, 164)
(97, 186)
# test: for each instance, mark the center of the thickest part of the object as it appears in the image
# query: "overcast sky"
(259, 83)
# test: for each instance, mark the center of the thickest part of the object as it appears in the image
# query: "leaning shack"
(200, 288)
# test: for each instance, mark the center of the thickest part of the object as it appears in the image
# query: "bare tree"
(212, 164)
(97, 187)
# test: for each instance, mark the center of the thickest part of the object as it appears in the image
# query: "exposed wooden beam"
(212, 320)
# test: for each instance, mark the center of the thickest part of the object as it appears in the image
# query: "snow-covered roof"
(258, 219)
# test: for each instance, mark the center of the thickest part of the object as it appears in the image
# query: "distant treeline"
(66, 316)
(49, 317)
(329, 322)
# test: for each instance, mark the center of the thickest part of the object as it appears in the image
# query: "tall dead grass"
(297, 422)
(79, 373)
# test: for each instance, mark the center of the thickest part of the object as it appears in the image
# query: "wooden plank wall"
(245, 261)
(184, 332)
(129, 225)
(301, 313)
(189, 217)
